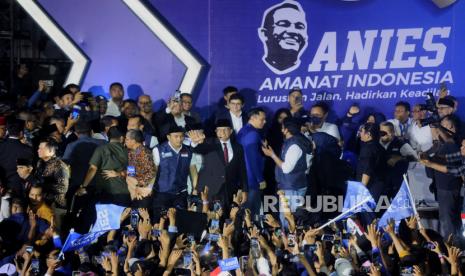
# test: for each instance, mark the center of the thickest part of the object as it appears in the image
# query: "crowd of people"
(61, 153)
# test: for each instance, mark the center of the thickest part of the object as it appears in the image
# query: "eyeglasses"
(383, 133)
(145, 102)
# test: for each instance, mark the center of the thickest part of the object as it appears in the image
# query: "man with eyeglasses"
(235, 114)
(186, 105)
(419, 136)
(146, 111)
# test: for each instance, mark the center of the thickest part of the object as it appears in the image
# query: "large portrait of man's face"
(284, 36)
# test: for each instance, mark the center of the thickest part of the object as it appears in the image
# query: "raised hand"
(271, 221)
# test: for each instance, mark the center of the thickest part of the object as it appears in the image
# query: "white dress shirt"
(229, 147)
(330, 129)
(112, 109)
(420, 137)
(180, 121)
(398, 127)
(236, 122)
(293, 155)
(156, 155)
(5, 207)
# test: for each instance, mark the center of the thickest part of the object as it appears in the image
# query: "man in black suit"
(172, 116)
(11, 149)
(223, 168)
(234, 113)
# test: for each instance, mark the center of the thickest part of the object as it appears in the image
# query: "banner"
(401, 207)
(108, 217)
(76, 241)
(370, 52)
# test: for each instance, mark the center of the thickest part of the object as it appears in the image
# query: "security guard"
(398, 155)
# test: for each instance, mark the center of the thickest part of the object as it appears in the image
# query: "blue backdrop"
(373, 52)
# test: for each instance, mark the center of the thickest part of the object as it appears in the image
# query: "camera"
(430, 106)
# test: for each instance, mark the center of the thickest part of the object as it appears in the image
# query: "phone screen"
(187, 259)
(131, 171)
(35, 266)
(75, 114)
(214, 225)
(134, 219)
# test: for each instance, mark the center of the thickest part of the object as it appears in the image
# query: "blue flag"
(108, 217)
(401, 207)
(229, 264)
(76, 241)
(355, 194)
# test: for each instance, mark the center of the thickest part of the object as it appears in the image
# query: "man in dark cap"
(173, 164)
(445, 106)
(292, 166)
(223, 168)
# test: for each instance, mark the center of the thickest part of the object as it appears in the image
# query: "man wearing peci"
(223, 170)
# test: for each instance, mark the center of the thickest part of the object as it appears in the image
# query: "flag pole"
(412, 201)
(61, 255)
(344, 213)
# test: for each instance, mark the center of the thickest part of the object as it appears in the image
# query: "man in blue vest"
(293, 165)
(173, 164)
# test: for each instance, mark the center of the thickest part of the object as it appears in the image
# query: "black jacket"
(10, 150)
(223, 180)
(165, 120)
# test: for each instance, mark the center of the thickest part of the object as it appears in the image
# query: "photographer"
(447, 184)
(455, 163)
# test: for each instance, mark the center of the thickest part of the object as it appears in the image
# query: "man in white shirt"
(136, 122)
(117, 95)
(235, 105)
(317, 121)
(402, 121)
(293, 164)
(421, 139)
(419, 136)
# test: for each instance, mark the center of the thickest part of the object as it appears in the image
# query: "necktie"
(225, 153)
